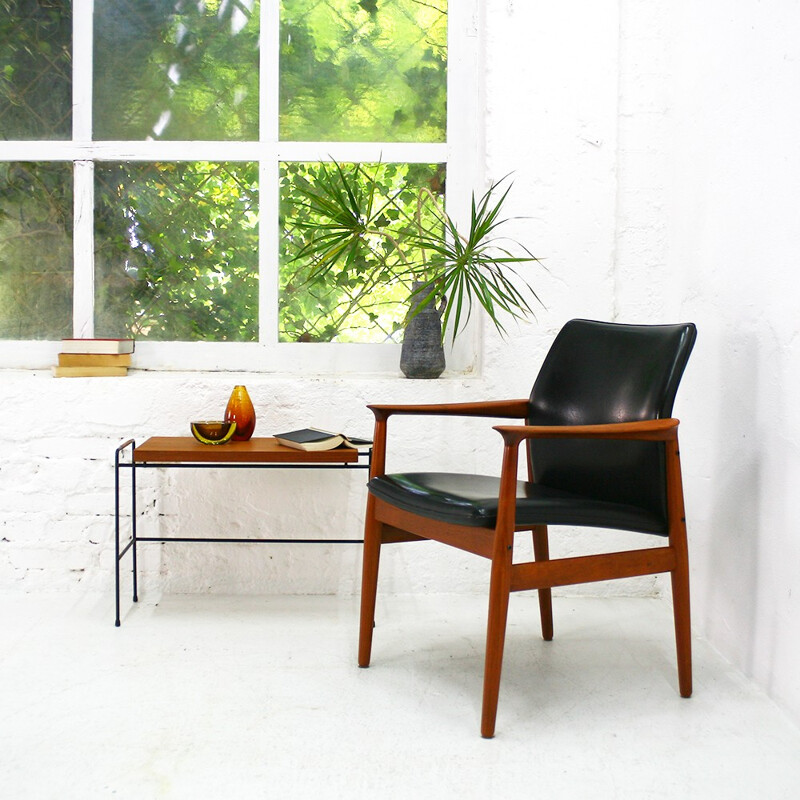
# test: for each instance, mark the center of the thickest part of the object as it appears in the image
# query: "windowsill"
(283, 360)
(135, 373)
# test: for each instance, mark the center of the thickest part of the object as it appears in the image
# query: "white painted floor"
(260, 697)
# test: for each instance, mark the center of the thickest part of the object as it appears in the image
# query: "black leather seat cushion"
(472, 500)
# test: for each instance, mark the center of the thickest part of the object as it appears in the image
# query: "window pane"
(176, 251)
(363, 298)
(363, 71)
(35, 250)
(166, 69)
(35, 69)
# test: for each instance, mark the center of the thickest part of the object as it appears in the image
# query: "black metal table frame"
(131, 465)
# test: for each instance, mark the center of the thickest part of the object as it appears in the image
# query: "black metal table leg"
(133, 530)
(116, 535)
(117, 554)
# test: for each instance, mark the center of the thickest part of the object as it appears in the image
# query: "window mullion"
(83, 250)
(82, 54)
(83, 187)
(466, 157)
(352, 152)
(268, 237)
(268, 194)
(465, 101)
(269, 66)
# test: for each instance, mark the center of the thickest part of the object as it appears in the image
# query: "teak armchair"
(602, 451)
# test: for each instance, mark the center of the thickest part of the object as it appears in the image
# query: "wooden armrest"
(651, 430)
(513, 409)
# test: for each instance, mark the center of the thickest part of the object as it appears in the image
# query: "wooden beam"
(474, 540)
(391, 535)
(587, 569)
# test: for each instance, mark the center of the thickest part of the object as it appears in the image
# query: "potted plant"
(448, 270)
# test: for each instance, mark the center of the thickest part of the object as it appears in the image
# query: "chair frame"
(388, 524)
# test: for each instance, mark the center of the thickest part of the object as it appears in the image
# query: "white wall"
(654, 153)
(734, 259)
(709, 231)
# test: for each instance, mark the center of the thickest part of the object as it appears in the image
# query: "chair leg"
(499, 592)
(682, 614)
(680, 573)
(369, 583)
(541, 552)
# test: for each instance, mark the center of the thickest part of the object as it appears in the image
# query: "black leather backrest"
(600, 372)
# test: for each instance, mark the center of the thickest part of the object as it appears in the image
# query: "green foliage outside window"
(176, 251)
(35, 250)
(363, 71)
(35, 69)
(363, 297)
(168, 69)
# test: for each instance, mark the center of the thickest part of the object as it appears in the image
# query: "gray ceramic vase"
(422, 354)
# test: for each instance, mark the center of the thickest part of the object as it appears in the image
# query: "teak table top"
(186, 449)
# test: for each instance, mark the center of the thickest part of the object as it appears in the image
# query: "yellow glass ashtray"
(213, 431)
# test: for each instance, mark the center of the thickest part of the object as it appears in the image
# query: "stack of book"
(91, 358)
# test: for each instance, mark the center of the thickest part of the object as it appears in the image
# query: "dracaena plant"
(347, 227)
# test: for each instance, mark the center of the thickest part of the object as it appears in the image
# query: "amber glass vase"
(240, 410)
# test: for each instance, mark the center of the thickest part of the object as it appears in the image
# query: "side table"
(184, 452)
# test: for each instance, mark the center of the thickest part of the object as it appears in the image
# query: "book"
(94, 359)
(313, 439)
(104, 346)
(89, 372)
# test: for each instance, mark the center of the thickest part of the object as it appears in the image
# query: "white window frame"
(462, 152)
